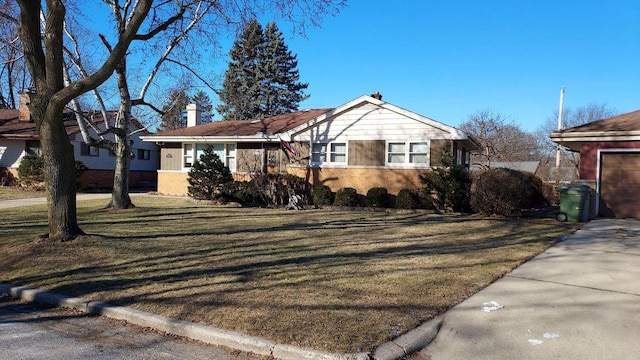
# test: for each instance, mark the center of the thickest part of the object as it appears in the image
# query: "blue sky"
(448, 59)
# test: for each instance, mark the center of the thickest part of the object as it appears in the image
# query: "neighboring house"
(609, 161)
(362, 144)
(18, 137)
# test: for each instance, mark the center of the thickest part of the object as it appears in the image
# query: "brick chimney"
(194, 114)
(376, 95)
(24, 114)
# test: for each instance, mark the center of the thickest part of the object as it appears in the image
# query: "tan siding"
(249, 160)
(367, 153)
(436, 147)
(171, 158)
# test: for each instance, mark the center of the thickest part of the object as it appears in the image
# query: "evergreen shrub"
(378, 197)
(207, 176)
(346, 197)
(322, 195)
(407, 199)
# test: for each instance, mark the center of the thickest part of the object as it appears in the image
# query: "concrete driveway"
(578, 300)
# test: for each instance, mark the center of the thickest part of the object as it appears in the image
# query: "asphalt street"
(29, 331)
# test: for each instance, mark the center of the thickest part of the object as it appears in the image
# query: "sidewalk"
(578, 300)
(6, 204)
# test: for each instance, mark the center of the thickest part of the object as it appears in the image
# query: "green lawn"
(338, 281)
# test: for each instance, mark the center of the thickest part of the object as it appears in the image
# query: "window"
(86, 150)
(32, 147)
(419, 153)
(319, 153)
(329, 152)
(339, 153)
(144, 154)
(226, 153)
(188, 155)
(415, 153)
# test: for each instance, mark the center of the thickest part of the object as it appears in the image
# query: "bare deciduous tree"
(569, 161)
(499, 138)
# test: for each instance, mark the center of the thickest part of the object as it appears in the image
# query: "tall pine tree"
(204, 102)
(281, 86)
(240, 94)
(262, 79)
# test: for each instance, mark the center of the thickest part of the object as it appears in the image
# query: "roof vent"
(376, 95)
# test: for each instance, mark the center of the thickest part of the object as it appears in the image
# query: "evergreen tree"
(203, 100)
(240, 94)
(281, 86)
(173, 117)
(262, 79)
(208, 175)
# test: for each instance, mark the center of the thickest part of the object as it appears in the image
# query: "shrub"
(31, 169)
(322, 195)
(504, 192)
(447, 188)
(242, 192)
(273, 189)
(408, 199)
(451, 187)
(346, 197)
(208, 175)
(378, 197)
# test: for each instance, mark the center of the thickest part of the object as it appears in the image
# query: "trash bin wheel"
(562, 217)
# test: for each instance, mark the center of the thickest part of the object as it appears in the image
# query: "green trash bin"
(574, 203)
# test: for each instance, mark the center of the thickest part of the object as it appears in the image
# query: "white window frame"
(229, 158)
(329, 154)
(408, 153)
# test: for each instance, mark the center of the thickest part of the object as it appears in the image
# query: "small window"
(86, 150)
(319, 153)
(188, 155)
(144, 154)
(338, 152)
(396, 153)
(418, 153)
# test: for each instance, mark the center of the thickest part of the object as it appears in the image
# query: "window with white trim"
(226, 153)
(331, 153)
(403, 153)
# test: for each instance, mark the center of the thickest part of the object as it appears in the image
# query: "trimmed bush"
(346, 197)
(407, 199)
(242, 192)
(378, 197)
(31, 169)
(322, 195)
(504, 192)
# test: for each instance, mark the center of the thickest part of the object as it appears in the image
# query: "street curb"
(404, 345)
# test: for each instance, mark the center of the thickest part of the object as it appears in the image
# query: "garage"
(619, 186)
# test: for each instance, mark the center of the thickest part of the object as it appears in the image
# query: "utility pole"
(559, 148)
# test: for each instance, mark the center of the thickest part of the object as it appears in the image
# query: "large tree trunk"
(60, 176)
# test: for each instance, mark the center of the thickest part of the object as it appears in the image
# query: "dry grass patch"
(338, 281)
(17, 192)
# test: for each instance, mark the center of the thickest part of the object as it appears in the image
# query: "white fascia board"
(192, 139)
(596, 136)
